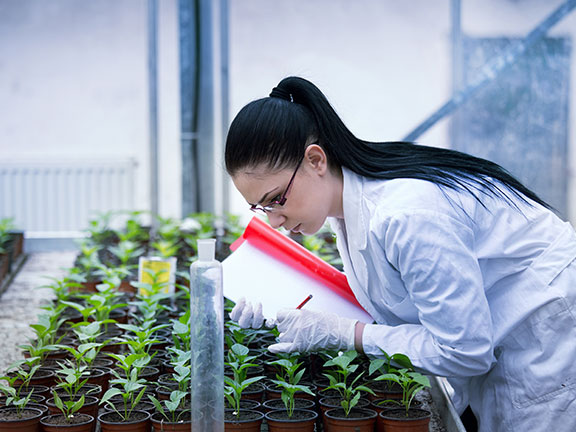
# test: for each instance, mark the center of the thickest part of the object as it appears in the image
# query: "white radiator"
(56, 196)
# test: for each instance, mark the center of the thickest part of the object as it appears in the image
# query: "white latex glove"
(308, 331)
(247, 315)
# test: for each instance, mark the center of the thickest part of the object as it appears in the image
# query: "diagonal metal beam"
(493, 68)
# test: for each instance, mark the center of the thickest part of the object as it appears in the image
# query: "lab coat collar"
(354, 210)
(351, 237)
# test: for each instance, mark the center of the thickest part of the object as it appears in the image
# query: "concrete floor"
(21, 303)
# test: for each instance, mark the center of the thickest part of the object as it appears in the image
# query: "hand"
(247, 315)
(308, 331)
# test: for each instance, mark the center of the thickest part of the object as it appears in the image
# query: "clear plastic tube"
(207, 340)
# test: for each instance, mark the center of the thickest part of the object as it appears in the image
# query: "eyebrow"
(265, 195)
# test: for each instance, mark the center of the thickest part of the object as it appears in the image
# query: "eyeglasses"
(272, 206)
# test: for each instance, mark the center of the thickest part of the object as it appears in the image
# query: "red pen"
(306, 300)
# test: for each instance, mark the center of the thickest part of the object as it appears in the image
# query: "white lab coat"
(484, 295)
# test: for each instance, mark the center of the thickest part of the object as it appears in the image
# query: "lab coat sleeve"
(434, 255)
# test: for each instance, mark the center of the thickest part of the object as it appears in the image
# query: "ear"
(316, 158)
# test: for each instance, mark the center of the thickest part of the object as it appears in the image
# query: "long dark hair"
(274, 131)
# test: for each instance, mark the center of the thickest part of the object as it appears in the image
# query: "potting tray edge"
(446, 410)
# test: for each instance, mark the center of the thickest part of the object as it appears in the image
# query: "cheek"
(312, 216)
(310, 207)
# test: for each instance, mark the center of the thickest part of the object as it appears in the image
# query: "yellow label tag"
(157, 274)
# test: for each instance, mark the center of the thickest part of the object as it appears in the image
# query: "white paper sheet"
(251, 273)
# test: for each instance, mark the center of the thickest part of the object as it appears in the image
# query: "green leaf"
(88, 346)
(139, 396)
(177, 396)
(388, 377)
(239, 350)
(402, 360)
(375, 365)
(305, 389)
(354, 401)
(79, 404)
(111, 392)
(251, 381)
(420, 379)
(132, 386)
(171, 406)
(298, 376)
(58, 402)
(157, 404)
(180, 328)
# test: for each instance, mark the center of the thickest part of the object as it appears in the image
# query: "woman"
(463, 269)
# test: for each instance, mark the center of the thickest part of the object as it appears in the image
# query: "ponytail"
(274, 130)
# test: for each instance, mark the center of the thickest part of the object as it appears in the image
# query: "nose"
(276, 220)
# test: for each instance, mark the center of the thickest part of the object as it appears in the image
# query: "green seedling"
(239, 361)
(113, 276)
(63, 287)
(411, 383)
(157, 286)
(87, 334)
(98, 306)
(386, 365)
(127, 253)
(46, 340)
(288, 379)
(17, 395)
(69, 378)
(238, 335)
(87, 263)
(166, 248)
(130, 389)
(168, 229)
(68, 407)
(344, 369)
(140, 338)
(99, 229)
(177, 402)
(128, 386)
(133, 229)
(129, 363)
(13, 395)
(171, 409)
(181, 332)
(6, 225)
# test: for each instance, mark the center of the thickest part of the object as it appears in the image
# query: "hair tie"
(280, 93)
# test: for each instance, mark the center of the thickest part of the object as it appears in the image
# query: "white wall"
(73, 85)
(73, 75)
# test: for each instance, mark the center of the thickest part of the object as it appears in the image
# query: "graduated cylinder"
(207, 340)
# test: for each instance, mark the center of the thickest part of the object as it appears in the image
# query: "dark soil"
(181, 416)
(230, 415)
(412, 413)
(278, 404)
(297, 415)
(254, 388)
(248, 404)
(60, 419)
(11, 415)
(385, 387)
(113, 417)
(392, 404)
(387, 404)
(335, 402)
(354, 413)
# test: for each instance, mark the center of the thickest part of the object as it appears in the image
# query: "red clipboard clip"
(274, 243)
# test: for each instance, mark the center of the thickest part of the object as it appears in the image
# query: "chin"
(307, 231)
